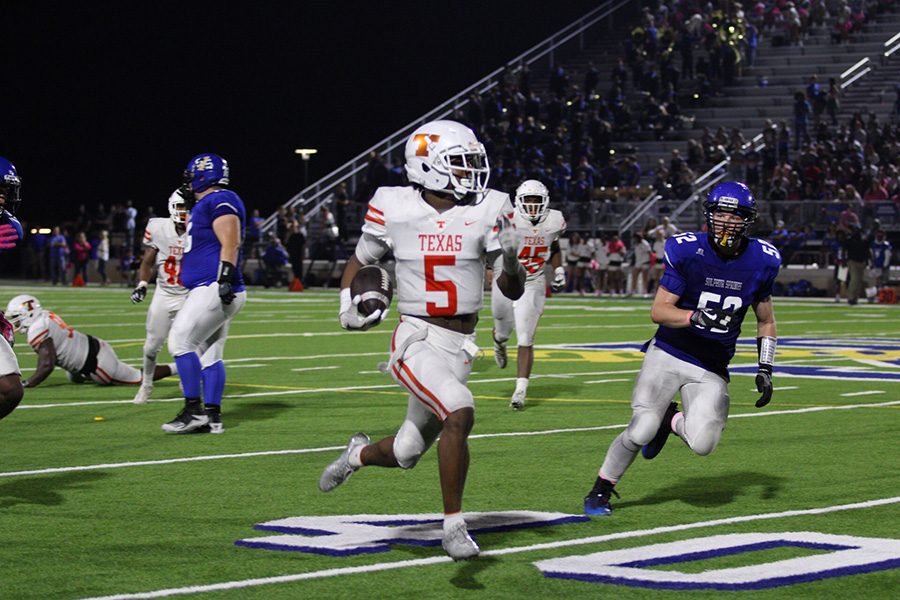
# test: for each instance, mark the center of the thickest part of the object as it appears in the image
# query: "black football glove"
(139, 293)
(764, 385)
(226, 285)
(710, 317)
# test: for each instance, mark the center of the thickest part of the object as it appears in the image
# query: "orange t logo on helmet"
(422, 140)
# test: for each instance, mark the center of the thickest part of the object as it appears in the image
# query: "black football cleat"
(655, 446)
(596, 503)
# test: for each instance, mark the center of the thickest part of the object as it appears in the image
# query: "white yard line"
(605, 380)
(473, 437)
(315, 368)
(868, 393)
(421, 562)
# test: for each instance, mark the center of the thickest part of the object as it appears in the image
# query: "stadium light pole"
(305, 154)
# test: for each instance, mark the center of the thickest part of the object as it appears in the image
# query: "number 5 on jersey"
(432, 284)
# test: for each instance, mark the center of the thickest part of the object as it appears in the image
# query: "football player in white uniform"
(82, 356)
(163, 247)
(538, 229)
(11, 233)
(440, 229)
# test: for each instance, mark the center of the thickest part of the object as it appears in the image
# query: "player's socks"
(149, 367)
(522, 384)
(213, 383)
(678, 424)
(189, 371)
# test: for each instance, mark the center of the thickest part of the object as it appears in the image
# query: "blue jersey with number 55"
(200, 262)
(702, 278)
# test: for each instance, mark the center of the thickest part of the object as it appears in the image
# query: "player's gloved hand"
(764, 385)
(8, 236)
(7, 330)
(350, 316)
(226, 282)
(559, 279)
(139, 293)
(506, 234)
(711, 317)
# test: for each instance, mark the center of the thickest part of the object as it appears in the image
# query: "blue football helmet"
(206, 170)
(729, 197)
(10, 185)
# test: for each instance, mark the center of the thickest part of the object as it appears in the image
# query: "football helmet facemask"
(22, 311)
(10, 185)
(533, 201)
(178, 206)
(206, 170)
(445, 156)
(730, 197)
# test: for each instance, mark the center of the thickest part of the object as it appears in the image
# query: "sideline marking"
(143, 463)
(230, 585)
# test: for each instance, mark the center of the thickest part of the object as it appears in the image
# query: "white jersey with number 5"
(161, 234)
(535, 241)
(440, 255)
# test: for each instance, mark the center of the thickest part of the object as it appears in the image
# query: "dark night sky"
(105, 101)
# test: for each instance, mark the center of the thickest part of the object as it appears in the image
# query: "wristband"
(226, 271)
(765, 347)
(559, 271)
(142, 284)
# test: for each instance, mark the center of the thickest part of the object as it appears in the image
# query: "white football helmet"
(446, 156)
(22, 311)
(533, 200)
(178, 208)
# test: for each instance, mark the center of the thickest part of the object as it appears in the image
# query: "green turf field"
(115, 507)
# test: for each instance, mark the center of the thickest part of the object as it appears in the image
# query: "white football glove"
(559, 279)
(350, 316)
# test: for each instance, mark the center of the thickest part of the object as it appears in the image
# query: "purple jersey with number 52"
(696, 273)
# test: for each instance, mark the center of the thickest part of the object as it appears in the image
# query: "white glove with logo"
(559, 279)
(509, 243)
(350, 316)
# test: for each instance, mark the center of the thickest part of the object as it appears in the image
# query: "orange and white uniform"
(170, 294)
(440, 265)
(534, 252)
(78, 353)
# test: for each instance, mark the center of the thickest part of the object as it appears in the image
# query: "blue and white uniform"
(690, 361)
(202, 324)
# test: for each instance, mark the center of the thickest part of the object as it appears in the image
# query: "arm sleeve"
(224, 206)
(673, 278)
(370, 249)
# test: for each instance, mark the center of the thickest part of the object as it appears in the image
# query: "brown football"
(373, 285)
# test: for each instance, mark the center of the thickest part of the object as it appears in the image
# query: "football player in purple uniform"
(210, 270)
(710, 281)
(11, 390)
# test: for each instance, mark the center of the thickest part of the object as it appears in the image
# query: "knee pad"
(408, 446)
(643, 427)
(152, 347)
(706, 440)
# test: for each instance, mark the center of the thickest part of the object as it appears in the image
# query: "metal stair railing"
(314, 193)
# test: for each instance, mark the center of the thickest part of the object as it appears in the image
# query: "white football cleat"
(458, 544)
(518, 400)
(500, 353)
(340, 470)
(143, 394)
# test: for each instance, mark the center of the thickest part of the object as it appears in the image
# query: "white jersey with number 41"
(161, 234)
(440, 255)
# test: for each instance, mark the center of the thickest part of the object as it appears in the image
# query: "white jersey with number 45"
(161, 234)
(535, 241)
(440, 255)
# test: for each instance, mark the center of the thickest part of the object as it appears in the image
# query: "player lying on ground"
(84, 357)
